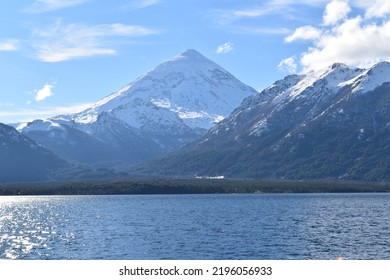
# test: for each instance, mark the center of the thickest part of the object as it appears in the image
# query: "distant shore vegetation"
(145, 186)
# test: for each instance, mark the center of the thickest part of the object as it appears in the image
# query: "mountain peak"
(337, 69)
(188, 58)
(380, 67)
(338, 65)
(191, 53)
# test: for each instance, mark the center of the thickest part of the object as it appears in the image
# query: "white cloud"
(357, 41)
(45, 92)
(8, 45)
(378, 8)
(304, 33)
(225, 48)
(41, 6)
(61, 43)
(289, 64)
(335, 11)
(140, 4)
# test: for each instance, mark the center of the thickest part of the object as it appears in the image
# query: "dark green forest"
(145, 186)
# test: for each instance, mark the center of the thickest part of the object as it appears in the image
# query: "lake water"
(261, 226)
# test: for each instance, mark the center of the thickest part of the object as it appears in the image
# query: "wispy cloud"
(65, 42)
(225, 17)
(267, 8)
(140, 4)
(45, 92)
(28, 114)
(251, 19)
(6, 104)
(298, 2)
(225, 48)
(262, 30)
(41, 6)
(9, 45)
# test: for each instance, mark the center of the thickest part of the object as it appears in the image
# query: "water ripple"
(316, 226)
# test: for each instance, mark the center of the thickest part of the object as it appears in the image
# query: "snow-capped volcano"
(187, 90)
(173, 104)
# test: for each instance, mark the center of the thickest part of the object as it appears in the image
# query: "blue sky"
(58, 56)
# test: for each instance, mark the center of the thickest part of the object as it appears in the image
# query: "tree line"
(146, 186)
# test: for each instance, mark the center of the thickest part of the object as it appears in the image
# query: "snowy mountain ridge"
(334, 77)
(315, 89)
(332, 123)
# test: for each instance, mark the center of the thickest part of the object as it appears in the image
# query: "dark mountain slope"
(22, 159)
